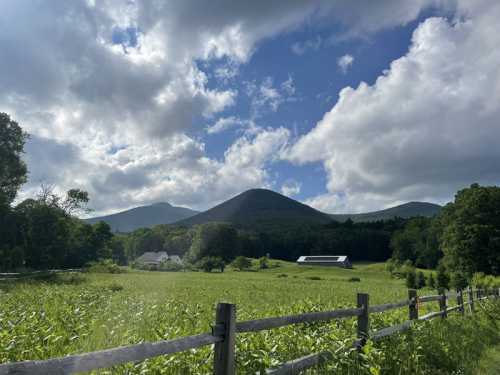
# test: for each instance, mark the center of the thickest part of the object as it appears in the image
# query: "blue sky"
(348, 106)
(317, 79)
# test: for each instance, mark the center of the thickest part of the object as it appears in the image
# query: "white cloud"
(113, 118)
(300, 48)
(288, 86)
(225, 123)
(344, 62)
(427, 127)
(267, 96)
(291, 187)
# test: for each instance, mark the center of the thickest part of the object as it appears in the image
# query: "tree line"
(42, 232)
(461, 242)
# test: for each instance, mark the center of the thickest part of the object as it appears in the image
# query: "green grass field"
(74, 314)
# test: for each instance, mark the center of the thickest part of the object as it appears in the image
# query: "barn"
(325, 260)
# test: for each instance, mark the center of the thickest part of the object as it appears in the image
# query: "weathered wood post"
(442, 303)
(460, 301)
(413, 306)
(363, 319)
(225, 324)
(471, 299)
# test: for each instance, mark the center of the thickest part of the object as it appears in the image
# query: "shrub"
(313, 278)
(263, 263)
(115, 287)
(458, 280)
(354, 280)
(420, 280)
(411, 279)
(442, 278)
(104, 266)
(207, 264)
(282, 275)
(242, 263)
(431, 281)
(170, 266)
(482, 281)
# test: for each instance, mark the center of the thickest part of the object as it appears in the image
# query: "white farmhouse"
(152, 258)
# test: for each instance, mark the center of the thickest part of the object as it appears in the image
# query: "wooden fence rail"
(223, 336)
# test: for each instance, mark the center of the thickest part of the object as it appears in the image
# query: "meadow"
(77, 313)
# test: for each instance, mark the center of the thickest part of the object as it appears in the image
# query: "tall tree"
(471, 231)
(216, 240)
(13, 170)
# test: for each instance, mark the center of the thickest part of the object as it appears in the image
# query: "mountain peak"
(258, 206)
(161, 204)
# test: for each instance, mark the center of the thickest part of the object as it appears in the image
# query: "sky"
(348, 106)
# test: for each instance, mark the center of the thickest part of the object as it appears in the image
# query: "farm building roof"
(153, 257)
(323, 258)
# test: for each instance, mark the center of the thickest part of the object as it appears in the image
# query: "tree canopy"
(471, 231)
(13, 170)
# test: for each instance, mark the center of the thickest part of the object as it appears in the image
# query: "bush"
(282, 275)
(482, 281)
(104, 266)
(442, 278)
(458, 280)
(242, 263)
(313, 278)
(420, 280)
(431, 281)
(354, 280)
(411, 279)
(207, 264)
(170, 266)
(115, 287)
(263, 263)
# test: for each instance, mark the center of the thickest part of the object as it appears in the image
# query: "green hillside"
(258, 206)
(406, 210)
(143, 217)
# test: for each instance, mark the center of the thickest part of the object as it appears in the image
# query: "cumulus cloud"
(291, 187)
(111, 88)
(267, 96)
(345, 62)
(425, 128)
(225, 123)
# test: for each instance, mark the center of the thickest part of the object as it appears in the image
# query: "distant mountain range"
(144, 217)
(252, 208)
(405, 210)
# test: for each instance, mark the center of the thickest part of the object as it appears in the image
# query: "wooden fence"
(224, 331)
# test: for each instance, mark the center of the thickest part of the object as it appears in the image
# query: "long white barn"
(325, 260)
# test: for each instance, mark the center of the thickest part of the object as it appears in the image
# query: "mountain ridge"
(144, 217)
(251, 208)
(405, 210)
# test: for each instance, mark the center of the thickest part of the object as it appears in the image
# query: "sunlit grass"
(40, 320)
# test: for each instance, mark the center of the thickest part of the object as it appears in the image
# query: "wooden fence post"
(471, 300)
(442, 303)
(225, 323)
(363, 319)
(460, 301)
(413, 306)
